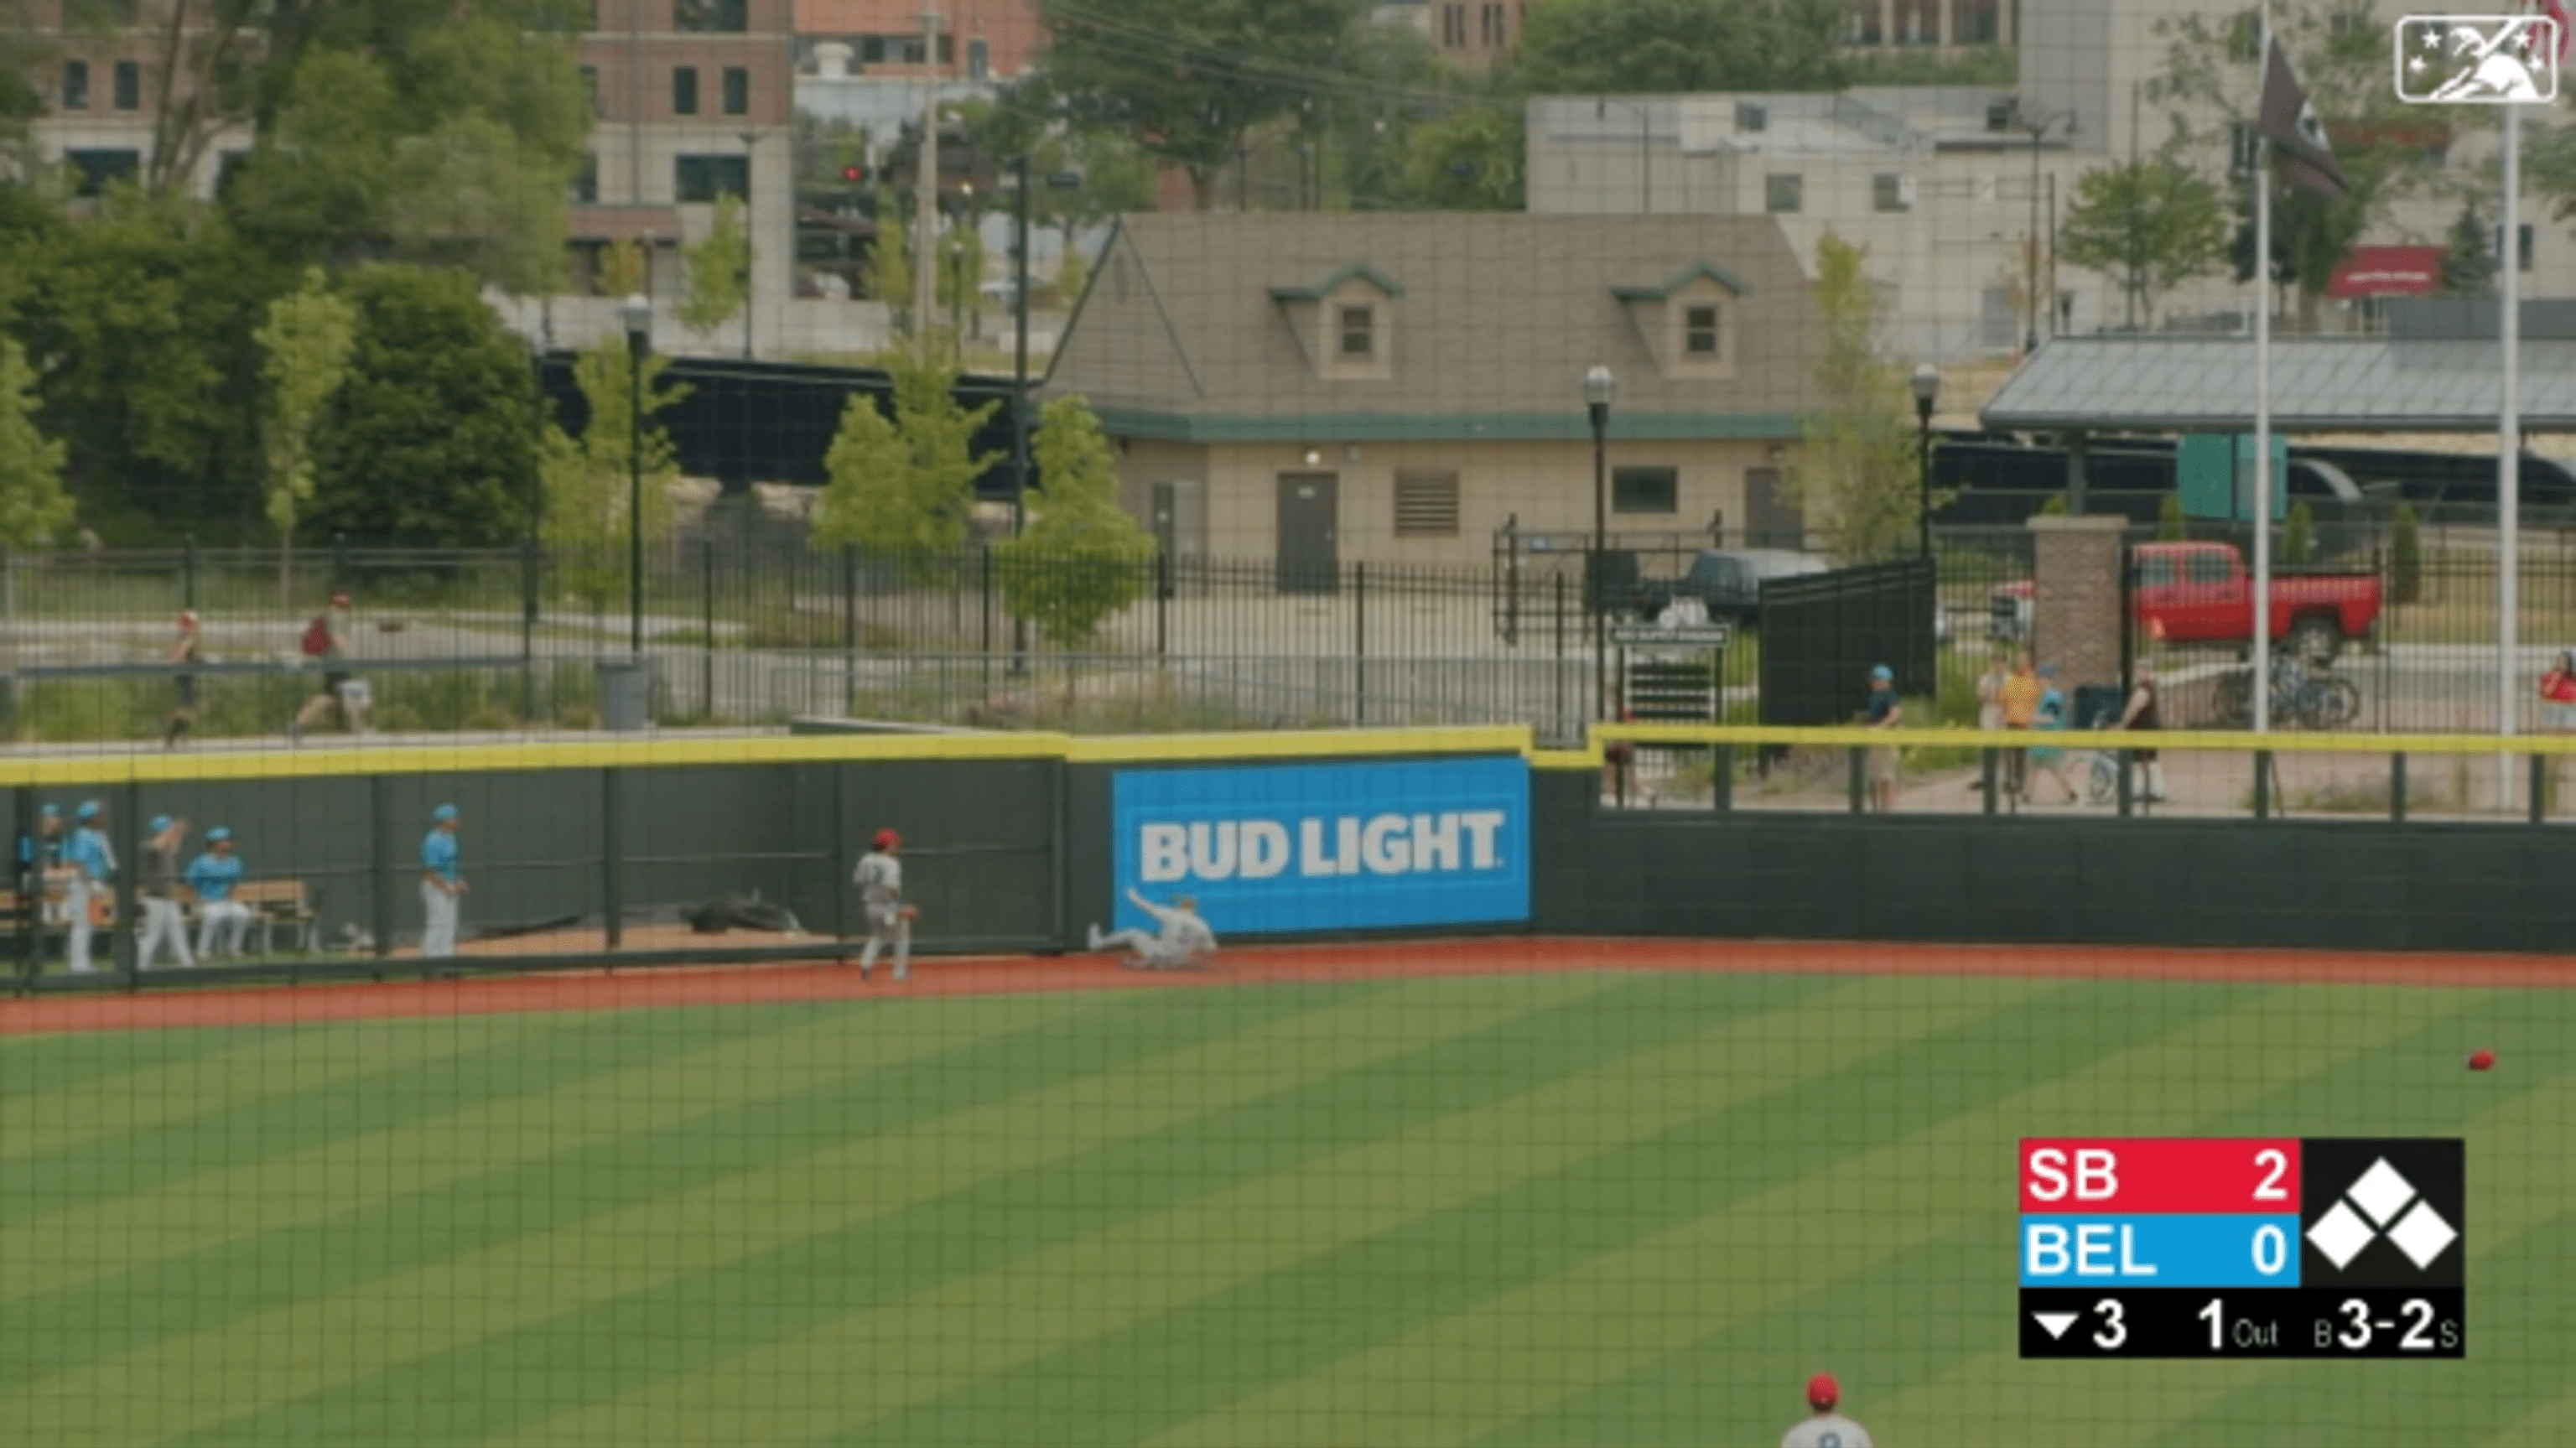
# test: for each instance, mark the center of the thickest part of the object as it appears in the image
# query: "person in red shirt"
(2558, 692)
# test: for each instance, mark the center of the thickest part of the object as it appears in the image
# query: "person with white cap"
(1828, 1428)
(160, 891)
(92, 863)
(442, 884)
(880, 881)
(214, 876)
(183, 711)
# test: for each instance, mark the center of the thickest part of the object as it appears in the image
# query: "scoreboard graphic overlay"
(2254, 1248)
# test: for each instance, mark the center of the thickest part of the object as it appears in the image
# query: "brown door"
(1309, 529)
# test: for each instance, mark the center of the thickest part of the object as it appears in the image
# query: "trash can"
(621, 694)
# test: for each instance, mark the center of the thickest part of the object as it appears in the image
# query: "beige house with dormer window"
(1320, 390)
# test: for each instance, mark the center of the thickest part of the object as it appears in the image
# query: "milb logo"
(2384, 1213)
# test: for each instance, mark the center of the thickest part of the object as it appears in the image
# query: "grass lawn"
(1599, 1207)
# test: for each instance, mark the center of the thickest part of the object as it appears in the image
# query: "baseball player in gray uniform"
(880, 881)
(1828, 1428)
(1185, 941)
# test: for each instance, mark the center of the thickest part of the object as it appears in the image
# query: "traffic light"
(855, 175)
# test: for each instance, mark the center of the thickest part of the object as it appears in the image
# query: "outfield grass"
(1614, 1207)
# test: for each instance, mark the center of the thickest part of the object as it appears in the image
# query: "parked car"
(1725, 582)
(2201, 593)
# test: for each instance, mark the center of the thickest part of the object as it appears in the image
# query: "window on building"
(1891, 193)
(230, 167)
(2522, 251)
(719, 17)
(979, 60)
(1645, 490)
(1864, 23)
(947, 49)
(1700, 335)
(99, 168)
(737, 90)
(684, 90)
(1489, 25)
(76, 85)
(1976, 22)
(2244, 34)
(1784, 193)
(590, 88)
(585, 185)
(1359, 332)
(697, 180)
(129, 86)
(1453, 26)
(1426, 505)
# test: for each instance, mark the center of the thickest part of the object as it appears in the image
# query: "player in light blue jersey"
(442, 884)
(213, 877)
(92, 863)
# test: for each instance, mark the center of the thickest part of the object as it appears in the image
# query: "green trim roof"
(1572, 426)
(1364, 270)
(1680, 279)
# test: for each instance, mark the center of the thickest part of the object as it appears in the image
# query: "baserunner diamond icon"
(2341, 1234)
(2382, 1192)
(2422, 1236)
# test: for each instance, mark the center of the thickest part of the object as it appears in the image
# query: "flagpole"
(2509, 463)
(2262, 681)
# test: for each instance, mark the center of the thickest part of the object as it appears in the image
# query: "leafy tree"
(34, 509)
(623, 270)
(1082, 558)
(432, 440)
(719, 271)
(2299, 535)
(1190, 81)
(588, 484)
(2171, 526)
(2150, 227)
(2469, 261)
(904, 487)
(1859, 471)
(1677, 47)
(888, 277)
(306, 343)
(1473, 159)
(1072, 276)
(2406, 557)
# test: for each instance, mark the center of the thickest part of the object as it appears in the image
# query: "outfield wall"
(1019, 842)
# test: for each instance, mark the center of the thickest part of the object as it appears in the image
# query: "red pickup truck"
(2201, 593)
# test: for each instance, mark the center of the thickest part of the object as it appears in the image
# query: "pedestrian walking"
(90, 864)
(161, 879)
(880, 881)
(2052, 719)
(442, 884)
(1183, 942)
(2144, 713)
(326, 642)
(1990, 706)
(2018, 698)
(213, 877)
(1828, 1428)
(183, 682)
(2558, 693)
(1883, 711)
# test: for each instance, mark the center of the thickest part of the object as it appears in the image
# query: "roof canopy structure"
(2319, 384)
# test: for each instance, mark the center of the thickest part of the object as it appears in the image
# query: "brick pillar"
(2075, 616)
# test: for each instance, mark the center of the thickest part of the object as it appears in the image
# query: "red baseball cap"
(1823, 1392)
(888, 839)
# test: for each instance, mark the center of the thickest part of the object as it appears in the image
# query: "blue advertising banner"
(1285, 849)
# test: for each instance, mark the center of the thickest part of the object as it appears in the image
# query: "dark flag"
(2298, 138)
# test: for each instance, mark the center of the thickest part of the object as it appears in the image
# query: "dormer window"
(1699, 332)
(1684, 320)
(1359, 333)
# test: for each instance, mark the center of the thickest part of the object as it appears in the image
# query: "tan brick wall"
(2075, 614)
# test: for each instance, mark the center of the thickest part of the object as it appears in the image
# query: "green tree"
(1190, 81)
(306, 345)
(1677, 47)
(1082, 557)
(587, 481)
(2469, 261)
(2406, 557)
(623, 270)
(2149, 227)
(1072, 276)
(2171, 526)
(34, 509)
(432, 440)
(888, 277)
(718, 266)
(1472, 159)
(1859, 471)
(904, 487)
(2299, 536)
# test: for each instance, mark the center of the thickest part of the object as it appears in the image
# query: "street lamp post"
(957, 295)
(750, 145)
(2037, 129)
(1927, 390)
(637, 313)
(1599, 387)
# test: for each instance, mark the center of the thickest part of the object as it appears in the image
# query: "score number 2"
(2277, 1163)
(2419, 1328)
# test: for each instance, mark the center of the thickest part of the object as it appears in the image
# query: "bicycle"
(2304, 696)
(2102, 783)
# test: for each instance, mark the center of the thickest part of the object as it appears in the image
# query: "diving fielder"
(880, 881)
(1185, 941)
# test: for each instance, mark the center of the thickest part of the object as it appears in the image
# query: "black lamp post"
(2038, 129)
(637, 313)
(1599, 387)
(957, 295)
(750, 144)
(1927, 390)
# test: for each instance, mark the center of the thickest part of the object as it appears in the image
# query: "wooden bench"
(274, 903)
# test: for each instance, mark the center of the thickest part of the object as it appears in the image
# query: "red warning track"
(665, 989)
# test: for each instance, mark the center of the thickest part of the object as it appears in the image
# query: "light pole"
(637, 313)
(2038, 129)
(957, 295)
(1599, 387)
(750, 145)
(1927, 390)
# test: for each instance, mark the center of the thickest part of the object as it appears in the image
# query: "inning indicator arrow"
(2056, 1322)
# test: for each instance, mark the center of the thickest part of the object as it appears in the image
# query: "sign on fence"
(1716, 634)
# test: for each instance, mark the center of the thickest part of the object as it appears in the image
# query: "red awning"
(2388, 271)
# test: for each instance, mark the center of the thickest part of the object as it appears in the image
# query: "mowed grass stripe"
(62, 1066)
(1161, 1371)
(244, 1067)
(669, 1327)
(579, 1090)
(1922, 1314)
(916, 1350)
(306, 1346)
(1516, 1356)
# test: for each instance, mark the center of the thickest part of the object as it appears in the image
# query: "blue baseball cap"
(443, 813)
(53, 811)
(1882, 673)
(218, 835)
(88, 810)
(160, 823)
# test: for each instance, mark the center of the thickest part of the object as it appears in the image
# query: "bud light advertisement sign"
(1293, 849)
